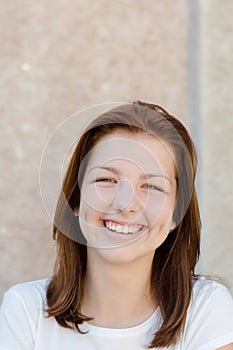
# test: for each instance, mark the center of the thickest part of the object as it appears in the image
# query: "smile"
(124, 229)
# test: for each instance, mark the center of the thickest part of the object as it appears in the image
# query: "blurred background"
(61, 56)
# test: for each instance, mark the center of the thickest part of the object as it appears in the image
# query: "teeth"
(118, 229)
(131, 229)
(126, 229)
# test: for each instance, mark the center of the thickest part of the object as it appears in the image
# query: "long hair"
(174, 261)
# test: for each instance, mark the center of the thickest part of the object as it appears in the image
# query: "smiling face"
(128, 195)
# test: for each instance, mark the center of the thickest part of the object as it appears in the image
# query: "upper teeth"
(122, 229)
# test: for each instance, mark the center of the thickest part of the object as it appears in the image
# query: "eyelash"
(109, 180)
(105, 179)
(153, 187)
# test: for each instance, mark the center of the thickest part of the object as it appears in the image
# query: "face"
(128, 196)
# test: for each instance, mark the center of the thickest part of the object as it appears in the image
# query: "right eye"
(106, 179)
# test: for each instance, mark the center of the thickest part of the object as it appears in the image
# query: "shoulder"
(207, 291)
(209, 321)
(28, 295)
(211, 301)
(21, 309)
(39, 287)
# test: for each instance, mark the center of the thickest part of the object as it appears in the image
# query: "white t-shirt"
(23, 325)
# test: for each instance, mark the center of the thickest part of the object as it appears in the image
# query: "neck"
(117, 295)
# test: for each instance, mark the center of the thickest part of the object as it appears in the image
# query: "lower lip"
(118, 236)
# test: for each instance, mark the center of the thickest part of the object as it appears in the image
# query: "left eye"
(153, 187)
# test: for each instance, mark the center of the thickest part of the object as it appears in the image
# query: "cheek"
(97, 198)
(88, 220)
(105, 194)
(155, 206)
(159, 209)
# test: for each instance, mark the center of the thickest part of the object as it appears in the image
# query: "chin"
(123, 255)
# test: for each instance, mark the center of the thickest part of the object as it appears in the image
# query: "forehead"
(144, 150)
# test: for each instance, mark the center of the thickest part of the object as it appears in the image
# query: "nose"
(126, 197)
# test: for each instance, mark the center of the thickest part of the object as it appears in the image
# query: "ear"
(171, 226)
(76, 211)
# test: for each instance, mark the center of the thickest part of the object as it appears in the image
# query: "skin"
(129, 183)
(227, 347)
(116, 188)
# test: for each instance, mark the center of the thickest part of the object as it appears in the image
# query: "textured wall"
(217, 130)
(59, 57)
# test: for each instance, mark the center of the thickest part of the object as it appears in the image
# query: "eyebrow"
(117, 172)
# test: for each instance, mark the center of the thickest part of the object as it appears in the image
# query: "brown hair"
(174, 261)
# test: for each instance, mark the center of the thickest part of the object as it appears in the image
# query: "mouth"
(122, 229)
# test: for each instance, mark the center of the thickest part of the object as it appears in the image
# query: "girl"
(127, 228)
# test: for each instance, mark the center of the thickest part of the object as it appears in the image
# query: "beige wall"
(217, 131)
(59, 57)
